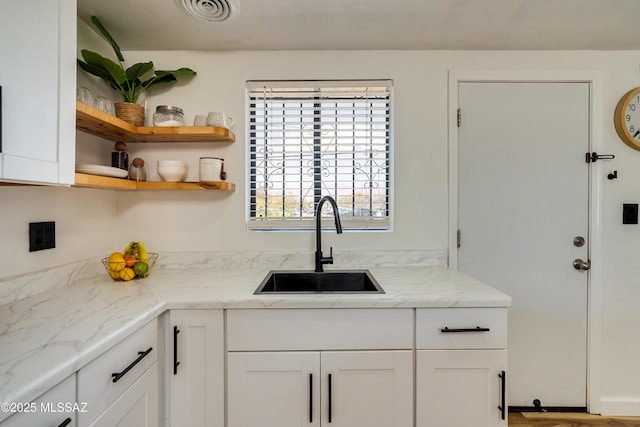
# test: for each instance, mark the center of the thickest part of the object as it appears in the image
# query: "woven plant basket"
(130, 113)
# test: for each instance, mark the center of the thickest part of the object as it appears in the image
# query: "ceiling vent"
(211, 10)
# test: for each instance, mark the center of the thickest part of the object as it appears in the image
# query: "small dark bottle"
(120, 157)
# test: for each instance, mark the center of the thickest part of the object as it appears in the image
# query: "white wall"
(85, 222)
(209, 221)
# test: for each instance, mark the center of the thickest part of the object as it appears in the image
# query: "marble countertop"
(48, 336)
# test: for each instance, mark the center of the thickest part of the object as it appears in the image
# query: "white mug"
(211, 169)
(219, 119)
(200, 121)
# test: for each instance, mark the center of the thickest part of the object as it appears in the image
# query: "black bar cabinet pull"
(65, 422)
(142, 354)
(503, 382)
(310, 398)
(329, 397)
(446, 329)
(176, 331)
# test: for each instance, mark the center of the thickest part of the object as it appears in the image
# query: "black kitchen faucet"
(320, 260)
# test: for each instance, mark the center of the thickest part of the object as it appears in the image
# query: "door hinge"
(458, 238)
(459, 116)
(593, 157)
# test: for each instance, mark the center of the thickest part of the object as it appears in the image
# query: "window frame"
(350, 223)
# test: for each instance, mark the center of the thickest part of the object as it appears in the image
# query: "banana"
(137, 250)
(142, 251)
(129, 250)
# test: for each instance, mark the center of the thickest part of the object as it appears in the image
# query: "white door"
(523, 198)
(460, 388)
(273, 389)
(368, 388)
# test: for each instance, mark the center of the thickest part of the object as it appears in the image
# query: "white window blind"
(309, 139)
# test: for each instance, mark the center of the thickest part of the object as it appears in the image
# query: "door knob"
(579, 264)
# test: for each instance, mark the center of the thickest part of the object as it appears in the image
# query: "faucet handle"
(328, 259)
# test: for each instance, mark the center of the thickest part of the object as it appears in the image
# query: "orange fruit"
(130, 261)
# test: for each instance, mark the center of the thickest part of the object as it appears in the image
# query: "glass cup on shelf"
(84, 95)
(104, 104)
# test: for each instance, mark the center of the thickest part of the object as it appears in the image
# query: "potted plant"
(126, 81)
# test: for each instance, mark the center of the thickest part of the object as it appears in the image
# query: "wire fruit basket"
(122, 270)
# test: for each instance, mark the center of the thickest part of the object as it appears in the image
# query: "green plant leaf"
(157, 79)
(180, 72)
(98, 71)
(136, 71)
(106, 35)
(112, 68)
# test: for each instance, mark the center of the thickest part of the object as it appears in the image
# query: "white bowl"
(172, 170)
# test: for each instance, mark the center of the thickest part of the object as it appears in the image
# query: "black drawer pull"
(330, 409)
(503, 389)
(142, 354)
(176, 331)
(476, 329)
(65, 422)
(310, 398)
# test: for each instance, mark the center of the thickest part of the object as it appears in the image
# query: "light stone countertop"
(48, 336)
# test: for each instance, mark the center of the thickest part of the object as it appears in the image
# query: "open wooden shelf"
(107, 183)
(96, 122)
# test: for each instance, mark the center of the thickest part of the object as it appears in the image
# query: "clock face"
(627, 118)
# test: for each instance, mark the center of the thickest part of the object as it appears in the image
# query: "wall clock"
(627, 118)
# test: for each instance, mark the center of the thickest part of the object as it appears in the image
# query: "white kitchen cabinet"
(120, 387)
(137, 406)
(194, 368)
(275, 389)
(347, 388)
(368, 388)
(280, 363)
(461, 363)
(55, 408)
(38, 83)
(460, 388)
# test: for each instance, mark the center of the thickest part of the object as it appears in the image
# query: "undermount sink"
(303, 282)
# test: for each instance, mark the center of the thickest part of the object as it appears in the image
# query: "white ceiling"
(376, 25)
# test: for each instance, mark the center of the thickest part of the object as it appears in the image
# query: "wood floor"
(552, 419)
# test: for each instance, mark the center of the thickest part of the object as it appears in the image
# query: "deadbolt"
(579, 264)
(578, 241)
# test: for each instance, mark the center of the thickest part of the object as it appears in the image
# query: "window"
(309, 139)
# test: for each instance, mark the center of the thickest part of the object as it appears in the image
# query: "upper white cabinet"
(194, 368)
(38, 79)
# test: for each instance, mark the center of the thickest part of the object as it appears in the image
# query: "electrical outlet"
(42, 235)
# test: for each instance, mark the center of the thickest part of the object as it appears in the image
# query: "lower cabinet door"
(367, 388)
(273, 389)
(56, 407)
(195, 368)
(461, 388)
(333, 389)
(137, 406)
